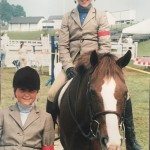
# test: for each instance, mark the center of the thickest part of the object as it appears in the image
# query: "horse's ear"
(124, 60)
(94, 58)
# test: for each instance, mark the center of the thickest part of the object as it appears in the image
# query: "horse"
(92, 107)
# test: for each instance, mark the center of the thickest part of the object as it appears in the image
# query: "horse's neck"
(84, 81)
(80, 90)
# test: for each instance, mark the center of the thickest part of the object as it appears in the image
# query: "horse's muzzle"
(104, 144)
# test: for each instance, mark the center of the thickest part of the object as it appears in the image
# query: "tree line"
(8, 11)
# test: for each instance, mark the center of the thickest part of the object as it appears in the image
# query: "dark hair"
(26, 78)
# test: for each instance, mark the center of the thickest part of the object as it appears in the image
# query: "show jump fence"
(41, 51)
(38, 51)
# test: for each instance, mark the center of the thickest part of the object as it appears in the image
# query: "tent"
(139, 28)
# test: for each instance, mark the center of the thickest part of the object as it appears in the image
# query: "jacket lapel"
(15, 114)
(75, 16)
(90, 15)
(34, 115)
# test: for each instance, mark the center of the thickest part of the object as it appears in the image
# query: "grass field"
(32, 35)
(138, 85)
(144, 48)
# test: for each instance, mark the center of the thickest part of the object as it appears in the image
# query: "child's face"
(25, 97)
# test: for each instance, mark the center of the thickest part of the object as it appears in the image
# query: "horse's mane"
(83, 63)
(106, 66)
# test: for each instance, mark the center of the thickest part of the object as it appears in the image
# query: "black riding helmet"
(26, 78)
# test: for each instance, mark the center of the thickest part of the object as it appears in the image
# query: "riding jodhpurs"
(58, 83)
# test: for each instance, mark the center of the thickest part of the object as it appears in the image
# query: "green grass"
(138, 85)
(32, 35)
(139, 67)
(144, 48)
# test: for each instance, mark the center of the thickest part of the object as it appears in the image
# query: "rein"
(86, 135)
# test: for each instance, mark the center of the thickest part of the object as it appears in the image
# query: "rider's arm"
(63, 46)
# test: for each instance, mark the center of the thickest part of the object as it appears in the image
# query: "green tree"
(18, 11)
(5, 10)
(8, 11)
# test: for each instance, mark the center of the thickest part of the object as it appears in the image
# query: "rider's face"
(84, 3)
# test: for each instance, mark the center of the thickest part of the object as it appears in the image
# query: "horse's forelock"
(83, 63)
(107, 66)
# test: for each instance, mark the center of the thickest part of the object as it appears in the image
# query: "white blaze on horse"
(92, 106)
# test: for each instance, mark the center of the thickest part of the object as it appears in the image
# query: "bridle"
(94, 124)
(95, 115)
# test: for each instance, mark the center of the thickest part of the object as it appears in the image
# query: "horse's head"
(107, 93)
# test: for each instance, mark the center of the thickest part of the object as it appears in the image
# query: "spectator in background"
(23, 58)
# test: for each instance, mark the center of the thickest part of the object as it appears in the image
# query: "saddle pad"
(63, 91)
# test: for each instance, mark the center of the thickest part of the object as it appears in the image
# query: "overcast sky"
(59, 7)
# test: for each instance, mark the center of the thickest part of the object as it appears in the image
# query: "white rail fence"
(39, 51)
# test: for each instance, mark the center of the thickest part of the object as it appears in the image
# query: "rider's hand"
(71, 72)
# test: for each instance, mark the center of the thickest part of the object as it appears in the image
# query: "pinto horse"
(92, 106)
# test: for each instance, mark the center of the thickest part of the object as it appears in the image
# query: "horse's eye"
(125, 96)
